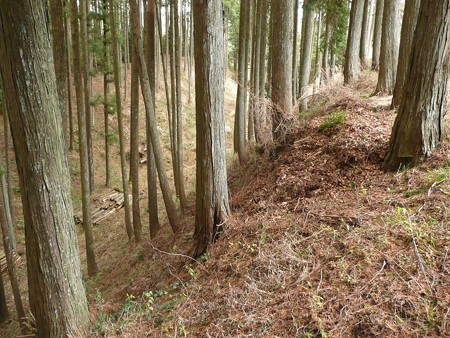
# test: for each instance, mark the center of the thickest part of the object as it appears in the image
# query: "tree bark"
(212, 206)
(410, 16)
(239, 131)
(420, 125)
(59, 55)
(57, 296)
(377, 35)
(281, 68)
(390, 41)
(352, 64)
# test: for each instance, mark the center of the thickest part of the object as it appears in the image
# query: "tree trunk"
(151, 116)
(326, 51)
(4, 314)
(84, 164)
(239, 131)
(179, 103)
(377, 34)
(87, 92)
(352, 63)
(390, 41)
(152, 51)
(295, 54)
(281, 68)
(59, 56)
(212, 208)
(420, 125)
(57, 296)
(114, 40)
(365, 35)
(410, 16)
(106, 79)
(306, 51)
(317, 65)
(69, 80)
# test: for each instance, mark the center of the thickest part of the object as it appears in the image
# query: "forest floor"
(321, 242)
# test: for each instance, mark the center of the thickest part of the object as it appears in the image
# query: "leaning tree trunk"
(390, 40)
(352, 63)
(410, 16)
(212, 206)
(420, 125)
(377, 34)
(57, 296)
(281, 67)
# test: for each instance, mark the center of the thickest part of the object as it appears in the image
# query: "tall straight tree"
(134, 146)
(84, 160)
(410, 16)
(281, 67)
(365, 35)
(239, 117)
(306, 50)
(86, 89)
(419, 125)
(115, 51)
(57, 296)
(212, 206)
(352, 65)
(390, 41)
(295, 53)
(378, 24)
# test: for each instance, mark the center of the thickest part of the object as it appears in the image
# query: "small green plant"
(334, 119)
(439, 175)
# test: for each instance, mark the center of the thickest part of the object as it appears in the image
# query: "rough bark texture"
(281, 67)
(410, 16)
(239, 122)
(212, 206)
(390, 41)
(59, 56)
(352, 62)
(306, 51)
(377, 34)
(57, 296)
(419, 125)
(4, 314)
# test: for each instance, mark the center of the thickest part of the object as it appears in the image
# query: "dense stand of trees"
(280, 52)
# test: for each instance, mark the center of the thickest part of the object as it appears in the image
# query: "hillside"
(321, 243)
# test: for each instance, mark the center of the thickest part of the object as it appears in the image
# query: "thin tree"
(390, 41)
(295, 53)
(365, 35)
(352, 63)
(4, 314)
(410, 16)
(152, 52)
(419, 125)
(134, 131)
(115, 47)
(57, 296)
(84, 161)
(212, 206)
